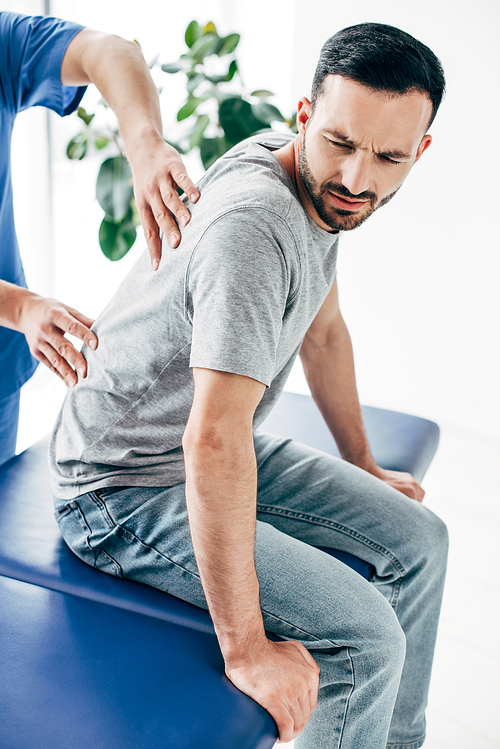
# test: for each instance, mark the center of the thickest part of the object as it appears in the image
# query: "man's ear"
(424, 145)
(304, 111)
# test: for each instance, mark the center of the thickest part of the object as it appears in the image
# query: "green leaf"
(114, 189)
(193, 33)
(194, 81)
(237, 119)
(229, 44)
(233, 67)
(267, 113)
(100, 142)
(198, 130)
(83, 115)
(262, 93)
(292, 123)
(211, 149)
(77, 147)
(116, 238)
(204, 47)
(171, 67)
(189, 108)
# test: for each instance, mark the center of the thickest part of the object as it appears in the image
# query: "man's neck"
(289, 157)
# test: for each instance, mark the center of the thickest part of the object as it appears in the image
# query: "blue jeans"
(9, 417)
(374, 642)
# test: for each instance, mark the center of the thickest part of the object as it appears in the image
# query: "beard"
(336, 219)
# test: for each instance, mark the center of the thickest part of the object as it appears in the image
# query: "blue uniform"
(31, 53)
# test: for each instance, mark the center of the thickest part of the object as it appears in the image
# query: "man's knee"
(388, 637)
(432, 541)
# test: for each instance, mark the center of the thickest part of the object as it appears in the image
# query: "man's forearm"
(329, 368)
(221, 485)
(221, 496)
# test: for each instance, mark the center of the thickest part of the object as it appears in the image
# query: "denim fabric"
(9, 417)
(373, 641)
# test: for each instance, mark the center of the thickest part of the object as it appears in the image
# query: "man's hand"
(282, 677)
(158, 170)
(44, 323)
(403, 482)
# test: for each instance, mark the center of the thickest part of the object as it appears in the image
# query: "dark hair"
(383, 58)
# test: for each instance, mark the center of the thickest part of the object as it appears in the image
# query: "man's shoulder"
(250, 176)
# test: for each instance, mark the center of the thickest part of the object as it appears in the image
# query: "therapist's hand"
(158, 170)
(44, 323)
(118, 69)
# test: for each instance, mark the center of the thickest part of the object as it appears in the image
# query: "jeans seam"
(271, 510)
(348, 698)
(157, 551)
(395, 593)
(102, 508)
(414, 744)
(87, 537)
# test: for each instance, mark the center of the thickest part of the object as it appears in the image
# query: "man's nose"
(356, 173)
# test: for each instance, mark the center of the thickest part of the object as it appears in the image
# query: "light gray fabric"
(238, 295)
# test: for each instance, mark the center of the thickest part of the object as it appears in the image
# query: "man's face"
(357, 148)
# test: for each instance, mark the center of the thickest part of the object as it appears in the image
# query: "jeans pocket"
(75, 531)
(85, 535)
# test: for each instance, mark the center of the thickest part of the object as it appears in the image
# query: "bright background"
(418, 282)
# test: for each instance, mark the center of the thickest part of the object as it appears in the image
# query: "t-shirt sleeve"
(238, 286)
(31, 53)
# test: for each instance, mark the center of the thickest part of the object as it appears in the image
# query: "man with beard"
(158, 470)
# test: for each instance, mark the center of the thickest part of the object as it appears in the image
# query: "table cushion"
(398, 441)
(80, 674)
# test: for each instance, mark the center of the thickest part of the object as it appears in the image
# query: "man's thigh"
(143, 534)
(325, 501)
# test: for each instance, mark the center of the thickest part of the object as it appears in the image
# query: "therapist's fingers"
(45, 322)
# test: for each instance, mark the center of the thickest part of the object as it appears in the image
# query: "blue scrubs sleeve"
(31, 54)
(32, 51)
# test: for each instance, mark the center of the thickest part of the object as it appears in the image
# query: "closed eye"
(388, 159)
(344, 146)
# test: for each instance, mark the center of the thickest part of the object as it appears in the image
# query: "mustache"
(345, 193)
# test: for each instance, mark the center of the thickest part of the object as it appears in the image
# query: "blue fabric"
(85, 675)
(31, 53)
(9, 416)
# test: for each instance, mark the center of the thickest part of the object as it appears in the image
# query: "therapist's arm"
(44, 323)
(118, 69)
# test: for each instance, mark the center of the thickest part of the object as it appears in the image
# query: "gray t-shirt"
(238, 295)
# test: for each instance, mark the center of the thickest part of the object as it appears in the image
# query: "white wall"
(418, 281)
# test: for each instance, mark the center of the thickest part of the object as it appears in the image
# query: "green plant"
(218, 113)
